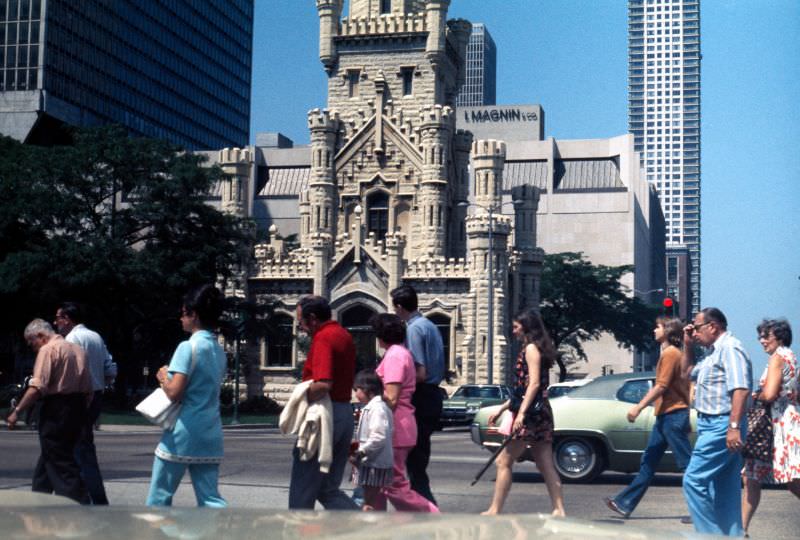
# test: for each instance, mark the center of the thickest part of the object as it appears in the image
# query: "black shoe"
(687, 520)
(614, 507)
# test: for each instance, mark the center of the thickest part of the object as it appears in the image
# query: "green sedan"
(461, 407)
(592, 433)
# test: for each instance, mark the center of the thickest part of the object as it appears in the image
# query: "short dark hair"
(317, 306)
(673, 330)
(406, 297)
(777, 327)
(73, 310)
(369, 382)
(715, 315)
(205, 302)
(389, 327)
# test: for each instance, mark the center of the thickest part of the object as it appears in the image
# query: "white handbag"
(159, 409)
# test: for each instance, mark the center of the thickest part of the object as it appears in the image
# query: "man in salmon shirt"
(330, 364)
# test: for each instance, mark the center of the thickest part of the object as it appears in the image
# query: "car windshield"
(556, 391)
(478, 392)
(606, 387)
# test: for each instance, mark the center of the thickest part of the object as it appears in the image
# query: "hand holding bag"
(758, 444)
(159, 409)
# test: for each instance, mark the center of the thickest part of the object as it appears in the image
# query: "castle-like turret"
(322, 193)
(528, 265)
(436, 128)
(329, 13)
(236, 163)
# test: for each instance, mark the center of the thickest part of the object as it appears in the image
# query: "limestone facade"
(384, 175)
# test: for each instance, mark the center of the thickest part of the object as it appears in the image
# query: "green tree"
(119, 223)
(580, 301)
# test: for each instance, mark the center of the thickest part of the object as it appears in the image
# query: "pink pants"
(400, 494)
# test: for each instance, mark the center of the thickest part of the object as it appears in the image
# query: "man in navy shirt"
(424, 341)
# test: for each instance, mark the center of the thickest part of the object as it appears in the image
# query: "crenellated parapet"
(329, 11)
(384, 24)
(437, 268)
(271, 263)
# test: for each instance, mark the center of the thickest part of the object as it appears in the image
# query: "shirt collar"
(719, 340)
(414, 316)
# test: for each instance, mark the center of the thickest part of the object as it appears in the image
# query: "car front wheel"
(577, 459)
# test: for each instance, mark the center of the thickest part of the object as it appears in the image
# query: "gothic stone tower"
(388, 174)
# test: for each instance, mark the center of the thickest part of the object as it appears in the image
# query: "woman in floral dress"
(536, 357)
(779, 387)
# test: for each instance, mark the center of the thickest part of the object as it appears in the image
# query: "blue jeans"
(670, 429)
(167, 477)
(308, 484)
(712, 485)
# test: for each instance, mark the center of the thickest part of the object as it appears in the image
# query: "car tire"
(577, 459)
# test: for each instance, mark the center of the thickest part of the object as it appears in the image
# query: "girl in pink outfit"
(399, 375)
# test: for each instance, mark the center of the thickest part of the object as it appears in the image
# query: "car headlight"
(473, 408)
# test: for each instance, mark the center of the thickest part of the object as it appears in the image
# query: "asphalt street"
(257, 464)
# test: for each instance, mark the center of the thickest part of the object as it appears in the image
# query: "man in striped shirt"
(723, 379)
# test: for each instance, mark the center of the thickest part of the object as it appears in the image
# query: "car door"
(626, 436)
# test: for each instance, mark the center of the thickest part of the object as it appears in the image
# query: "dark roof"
(586, 174)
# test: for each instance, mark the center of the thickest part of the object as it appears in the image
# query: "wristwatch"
(733, 425)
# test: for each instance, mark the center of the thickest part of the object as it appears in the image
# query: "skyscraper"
(481, 76)
(178, 70)
(664, 116)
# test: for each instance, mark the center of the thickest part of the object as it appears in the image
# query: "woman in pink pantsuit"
(399, 375)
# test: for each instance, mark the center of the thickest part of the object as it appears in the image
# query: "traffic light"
(669, 306)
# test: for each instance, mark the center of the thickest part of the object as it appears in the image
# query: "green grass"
(125, 418)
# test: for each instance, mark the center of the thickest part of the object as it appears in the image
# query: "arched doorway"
(356, 320)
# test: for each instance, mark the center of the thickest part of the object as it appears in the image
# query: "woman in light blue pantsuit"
(196, 440)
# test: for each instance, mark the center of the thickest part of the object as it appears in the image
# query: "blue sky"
(570, 56)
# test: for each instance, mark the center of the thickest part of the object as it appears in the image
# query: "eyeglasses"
(699, 326)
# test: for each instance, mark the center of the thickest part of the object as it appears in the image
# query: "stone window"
(407, 74)
(386, 7)
(378, 214)
(442, 322)
(353, 77)
(279, 341)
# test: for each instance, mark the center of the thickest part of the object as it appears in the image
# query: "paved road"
(255, 474)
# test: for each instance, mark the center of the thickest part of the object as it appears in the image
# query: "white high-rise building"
(664, 116)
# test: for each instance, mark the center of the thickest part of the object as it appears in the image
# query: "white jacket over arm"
(312, 423)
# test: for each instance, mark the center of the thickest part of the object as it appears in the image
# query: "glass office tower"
(480, 84)
(664, 116)
(173, 69)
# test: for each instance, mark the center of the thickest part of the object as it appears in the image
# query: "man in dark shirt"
(330, 364)
(62, 383)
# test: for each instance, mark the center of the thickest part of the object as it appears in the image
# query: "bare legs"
(751, 496)
(543, 454)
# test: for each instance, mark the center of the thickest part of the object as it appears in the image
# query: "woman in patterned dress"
(778, 386)
(536, 357)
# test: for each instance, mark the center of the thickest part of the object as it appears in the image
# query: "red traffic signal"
(667, 302)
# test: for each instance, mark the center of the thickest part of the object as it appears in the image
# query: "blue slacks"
(167, 477)
(670, 430)
(712, 485)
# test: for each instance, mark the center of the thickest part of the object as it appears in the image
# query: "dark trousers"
(86, 455)
(427, 401)
(60, 423)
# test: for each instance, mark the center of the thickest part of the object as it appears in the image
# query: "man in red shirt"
(330, 364)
